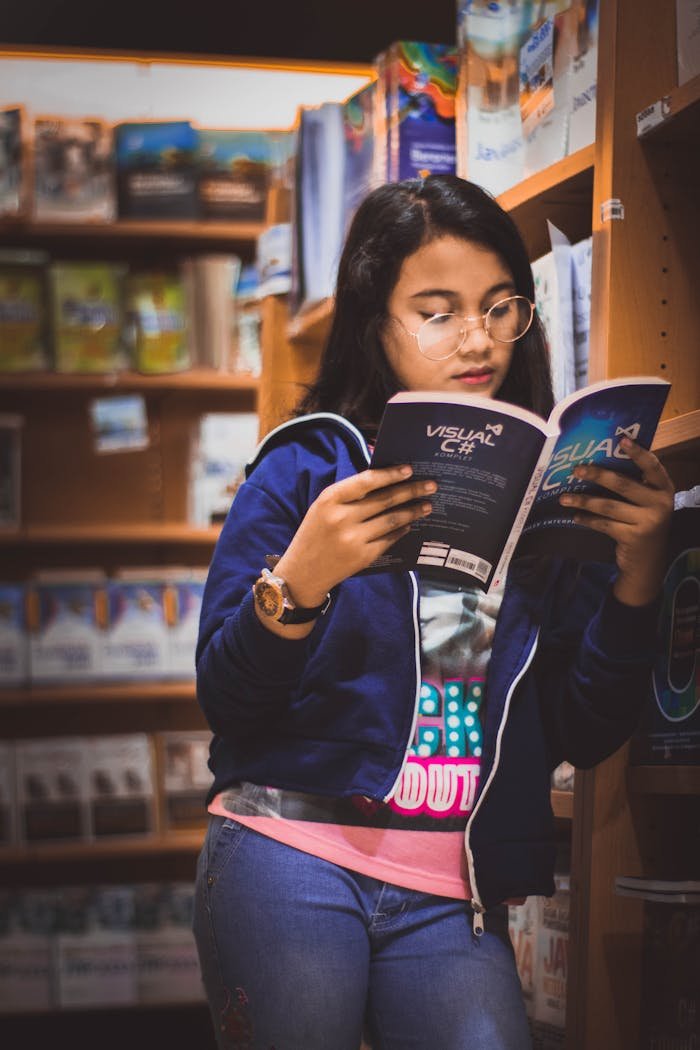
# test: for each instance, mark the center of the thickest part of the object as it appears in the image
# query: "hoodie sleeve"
(593, 668)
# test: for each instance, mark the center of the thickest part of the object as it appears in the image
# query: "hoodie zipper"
(477, 907)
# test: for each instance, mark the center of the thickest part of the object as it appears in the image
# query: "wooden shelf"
(196, 379)
(675, 117)
(119, 846)
(149, 533)
(664, 780)
(563, 804)
(576, 168)
(98, 693)
(225, 233)
(677, 433)
(311, 326)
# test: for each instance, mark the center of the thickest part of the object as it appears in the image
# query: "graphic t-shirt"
(416, 838)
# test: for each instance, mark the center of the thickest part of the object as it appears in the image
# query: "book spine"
(523, 512)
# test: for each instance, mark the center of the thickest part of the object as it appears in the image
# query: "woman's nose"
(476, 338)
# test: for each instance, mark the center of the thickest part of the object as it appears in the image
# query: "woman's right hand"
(348, 527)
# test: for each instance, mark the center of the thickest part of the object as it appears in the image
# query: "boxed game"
(157, 322)
(13, 162)
(14, 640)
(65, 617)
(120, 784)
(95, 952)
(73, 172)
(51, 777)
(184, 592)
(358, 127)
(27, 922)
(23, 312)
(157, 169)
(185, 777)
(87, 311)
(235, 173)
(415, 99)
(136, 637)
(167, 961)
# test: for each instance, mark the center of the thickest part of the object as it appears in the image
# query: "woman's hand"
(344, 530)
(638, 527)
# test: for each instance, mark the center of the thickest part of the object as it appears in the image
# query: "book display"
(627, 205)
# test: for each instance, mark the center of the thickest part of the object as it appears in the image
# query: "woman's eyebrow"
(450, 293)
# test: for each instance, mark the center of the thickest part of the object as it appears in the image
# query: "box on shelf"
(136, 637)
(236, 169)
(546, 58)
(24, 322)
(51, 789)
(209, 282)
(95, 951)
(549, 1018)
(14, 639)
(415, 99)
(583, 81)
(167, 961)
(185, 589)
(247, 346)
(688, 39)
(185, 777)
(156, 322)
(73, 170)
(552, 275)
(13, 161)
(359, 116)
(88, 316)
(27, 922)
(121, 785)
(669, 730)
(8, 796)
(274, 260)
(10, 470)
(224, 443)
(156, 169)
(523, 927)
(581, 268)
(65, 618)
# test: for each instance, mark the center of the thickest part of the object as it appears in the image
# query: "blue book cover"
(500, 471)
(235, 171)
(156, 169)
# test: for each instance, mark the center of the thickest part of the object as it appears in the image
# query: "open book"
(501, 469)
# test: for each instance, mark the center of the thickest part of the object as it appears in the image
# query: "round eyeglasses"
(442, 336)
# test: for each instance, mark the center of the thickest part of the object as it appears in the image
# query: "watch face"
(269, 598)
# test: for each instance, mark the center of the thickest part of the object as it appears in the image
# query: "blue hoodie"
(333, 714)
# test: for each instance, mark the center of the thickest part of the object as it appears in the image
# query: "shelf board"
(196, 379)
(175, 533)
(133, 230)
(574, 170)
(92, 693)
(311, 325)
(119, 846)
(675, 433)
(664, 780)
(673, 118)
(563, 804)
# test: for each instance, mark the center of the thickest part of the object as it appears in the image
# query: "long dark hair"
(355, 378)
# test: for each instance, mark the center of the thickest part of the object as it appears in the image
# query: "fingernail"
(427, 508)
(406, 471)
(430, 486)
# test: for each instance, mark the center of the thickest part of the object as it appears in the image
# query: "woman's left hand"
(639, 527)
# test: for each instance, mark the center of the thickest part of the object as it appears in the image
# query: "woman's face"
(448, 275)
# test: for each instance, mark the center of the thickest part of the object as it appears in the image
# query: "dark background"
(325, 30)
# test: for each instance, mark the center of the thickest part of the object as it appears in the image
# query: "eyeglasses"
(442, 336)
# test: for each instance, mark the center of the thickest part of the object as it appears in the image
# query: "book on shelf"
(121, 784)
(223, 444)
(24, 322)
(73, 170)
(14, 639)
(27, 922)
(167, 964)
(551, 968)
(669, 729)
(88, 316)
(52, 789)
(10, 470)
(8, 804)
(13, 161)
(185, 777)
(156, 169)
(156, 321)
(670, 891)
(358, 135)
(135, 641)
(183, 603)
(236, 168)
(501, 469)
(65, 618)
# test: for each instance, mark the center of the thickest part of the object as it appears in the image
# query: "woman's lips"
(475, 378)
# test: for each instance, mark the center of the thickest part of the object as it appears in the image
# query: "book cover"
(51, 789)
(553, 278)
(500, 470)
(185, 777)
(157, 322)
(183, 604)
(10, 471)
(581, 271)
(235, 172)
(12, 162)
(14, 638)
(73, 173)
(224, 443)
(136, 636)
(65, 617)
(27, 923)
(157, 169)
(95, 950)
(121, 785)
(583, 76)
(358, 133)
(549, 1017)
(489, 134)
(167, 961)
(523, 928)
(669, 730)
(209, 282)
(23, 314)
(416, 84)
(247, 341)
(119, 423)
(87, 314)
(544, 68)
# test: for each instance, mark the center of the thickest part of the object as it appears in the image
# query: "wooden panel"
(287, 367)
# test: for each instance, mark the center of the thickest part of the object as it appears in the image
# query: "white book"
(121, 785)
(224, 443)
(523, 927)
(167, 961)
(51, 778)
(27, 920)
(553, 299)
(135, 642)
(95, 951)
(184, 595)
(581, 265)
(552, 959)
(66, 638)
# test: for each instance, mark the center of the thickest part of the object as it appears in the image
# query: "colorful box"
(136, 638)
(87, 309)
(23, 313)
(359, 118)
(236, 169)
(121, 785)
(51, 789)
(73, 170)
(157, 169)
(157, 322)
(65, 617)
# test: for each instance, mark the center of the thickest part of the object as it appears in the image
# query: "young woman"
(382, 746)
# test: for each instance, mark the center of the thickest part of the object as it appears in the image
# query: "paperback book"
(73, 178)
(23, 312)
(501, 469)
(12, 161)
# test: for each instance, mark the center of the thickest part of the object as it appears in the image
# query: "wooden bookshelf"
(148, 533)
(676, 115)
(311, 326)
(664, 780)
(563, 804)
(197, 379)
(678, 434)
(222, 233)
(98, 693)
(121, 846)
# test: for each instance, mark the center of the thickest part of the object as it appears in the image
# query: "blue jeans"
(300, 954)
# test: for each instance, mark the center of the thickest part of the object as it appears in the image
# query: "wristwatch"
(273, 599)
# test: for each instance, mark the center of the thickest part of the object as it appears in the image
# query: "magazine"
(501, 469)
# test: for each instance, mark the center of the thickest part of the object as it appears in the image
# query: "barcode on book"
(433, 553)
